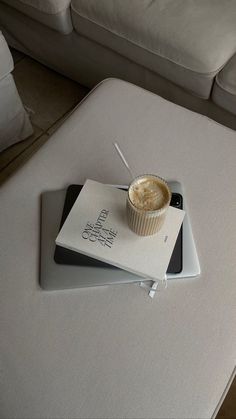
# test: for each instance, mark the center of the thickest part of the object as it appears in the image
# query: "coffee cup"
(147, 202)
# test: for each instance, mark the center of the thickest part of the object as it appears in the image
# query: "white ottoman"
(14, 122)
(112, 352)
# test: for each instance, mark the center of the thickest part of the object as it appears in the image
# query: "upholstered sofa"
(182, 50)
(14, 121)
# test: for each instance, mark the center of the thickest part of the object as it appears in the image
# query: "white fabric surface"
(6, 60)
(53, 13)
(112, 352)
(187, 42)
(14, 121)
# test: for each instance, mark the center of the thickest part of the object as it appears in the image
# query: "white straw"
(123, 159)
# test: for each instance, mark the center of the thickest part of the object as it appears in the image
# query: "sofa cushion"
(52, 13)
(224, 90)
(6, 61)
(187, 42)
(14, 122)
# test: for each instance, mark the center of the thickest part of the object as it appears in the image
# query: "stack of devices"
(62, 268)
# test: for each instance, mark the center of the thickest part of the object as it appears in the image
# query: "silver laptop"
(55, 276)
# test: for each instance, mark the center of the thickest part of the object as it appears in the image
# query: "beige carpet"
(49, 98)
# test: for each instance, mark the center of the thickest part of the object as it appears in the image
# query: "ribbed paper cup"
(145, 222)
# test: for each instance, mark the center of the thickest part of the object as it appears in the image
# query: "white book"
(97, 227)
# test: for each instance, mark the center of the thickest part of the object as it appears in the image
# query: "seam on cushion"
(222, 86)
(43, 11)
(65, 32)
(16, 116)
(9, 53)
(208, 74)
(6, 74)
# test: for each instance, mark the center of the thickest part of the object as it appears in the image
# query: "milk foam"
(148, 194)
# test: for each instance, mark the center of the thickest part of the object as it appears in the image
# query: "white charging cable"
(156, 286)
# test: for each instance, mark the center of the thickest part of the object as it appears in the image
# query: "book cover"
(97, 227)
